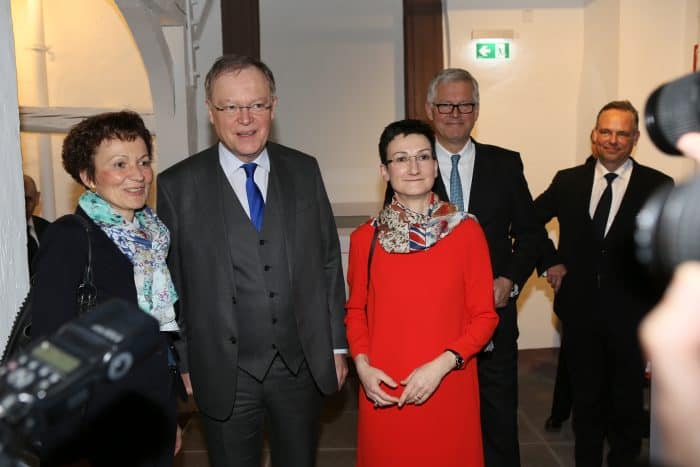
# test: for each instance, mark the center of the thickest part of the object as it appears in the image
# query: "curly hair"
(83, 139)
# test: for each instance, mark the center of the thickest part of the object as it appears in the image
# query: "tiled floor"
(338, 439)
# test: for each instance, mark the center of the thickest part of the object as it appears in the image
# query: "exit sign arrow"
(492, 50)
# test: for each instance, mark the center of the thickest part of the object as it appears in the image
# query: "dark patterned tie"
(456, 196)
(602, 211)
(256, 205)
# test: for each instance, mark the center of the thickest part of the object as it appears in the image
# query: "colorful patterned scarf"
(145, 242)
(404, 231)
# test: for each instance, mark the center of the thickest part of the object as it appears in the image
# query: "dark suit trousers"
(498, 390)
(607, 371)
(562, 399)
(288, 405)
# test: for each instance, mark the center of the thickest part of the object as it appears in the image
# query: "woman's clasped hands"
(419, 385)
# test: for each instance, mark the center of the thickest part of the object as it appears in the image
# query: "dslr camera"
(668, 226)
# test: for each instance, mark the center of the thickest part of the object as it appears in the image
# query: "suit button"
(274, 320)
(232, 339)
(267, 267)
(233, 299)
(272, 294)
(262, 242)
(274, 346)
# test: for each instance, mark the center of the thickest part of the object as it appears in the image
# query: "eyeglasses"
(463, 108)
(404, 160)
(256, 108)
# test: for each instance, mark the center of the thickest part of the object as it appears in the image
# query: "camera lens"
(673, 110)
(668, 228)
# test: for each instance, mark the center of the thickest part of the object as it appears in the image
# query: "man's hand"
(501, 290)
(178, 440)
(555, 274)
(186, 381)
(341, 369)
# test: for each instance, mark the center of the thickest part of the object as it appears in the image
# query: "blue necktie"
(256, 205)
(456, 184)
(602, 211)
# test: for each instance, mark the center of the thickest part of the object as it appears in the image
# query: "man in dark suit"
(35, 225)
(255, 259)
(602, 292)
(488, 181)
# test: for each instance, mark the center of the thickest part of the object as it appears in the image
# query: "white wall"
(339, 71)
(14, 275)
(207, 15)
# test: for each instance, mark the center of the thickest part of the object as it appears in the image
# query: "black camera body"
(668, 226)
(51, 379)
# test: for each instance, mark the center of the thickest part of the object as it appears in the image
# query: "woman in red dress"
(420, 309)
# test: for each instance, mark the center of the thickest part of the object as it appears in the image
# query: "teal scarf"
(145, 241)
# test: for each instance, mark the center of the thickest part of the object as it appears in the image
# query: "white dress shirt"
(235, 174)
(32, 230)
(619, 186)
(465, 167)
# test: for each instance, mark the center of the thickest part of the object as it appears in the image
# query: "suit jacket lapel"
(480, 180)
(217, 193)
(627, 212)
(284, 185)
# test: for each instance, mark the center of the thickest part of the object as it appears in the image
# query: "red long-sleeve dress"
(418, 305)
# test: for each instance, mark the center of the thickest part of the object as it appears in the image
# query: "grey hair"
(450, 75)
(233, 63)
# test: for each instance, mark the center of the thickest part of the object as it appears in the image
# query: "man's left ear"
(274, 107)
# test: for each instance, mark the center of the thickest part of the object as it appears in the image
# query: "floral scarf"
(145, 241)
(404, 231)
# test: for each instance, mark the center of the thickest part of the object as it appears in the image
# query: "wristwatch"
(515, 291)
(459, 361)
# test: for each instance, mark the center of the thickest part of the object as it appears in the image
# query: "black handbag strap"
(371, 254)
(87, 293)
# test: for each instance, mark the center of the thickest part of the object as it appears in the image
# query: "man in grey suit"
(255, 259)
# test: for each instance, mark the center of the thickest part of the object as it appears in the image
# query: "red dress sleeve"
(480, 313)
(356, 315)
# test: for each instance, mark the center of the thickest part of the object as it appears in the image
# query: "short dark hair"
(405, 128)
(625, 106)
(83, 139)
(233, 63)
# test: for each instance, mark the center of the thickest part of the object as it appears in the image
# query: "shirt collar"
(441, 151)
(230, 162)
(622, 172)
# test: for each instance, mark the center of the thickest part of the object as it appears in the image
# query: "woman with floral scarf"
(130, 422)
(421, 307)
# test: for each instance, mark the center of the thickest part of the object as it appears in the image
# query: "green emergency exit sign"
(492, 50)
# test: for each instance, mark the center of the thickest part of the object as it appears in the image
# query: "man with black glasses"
(488, 181)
